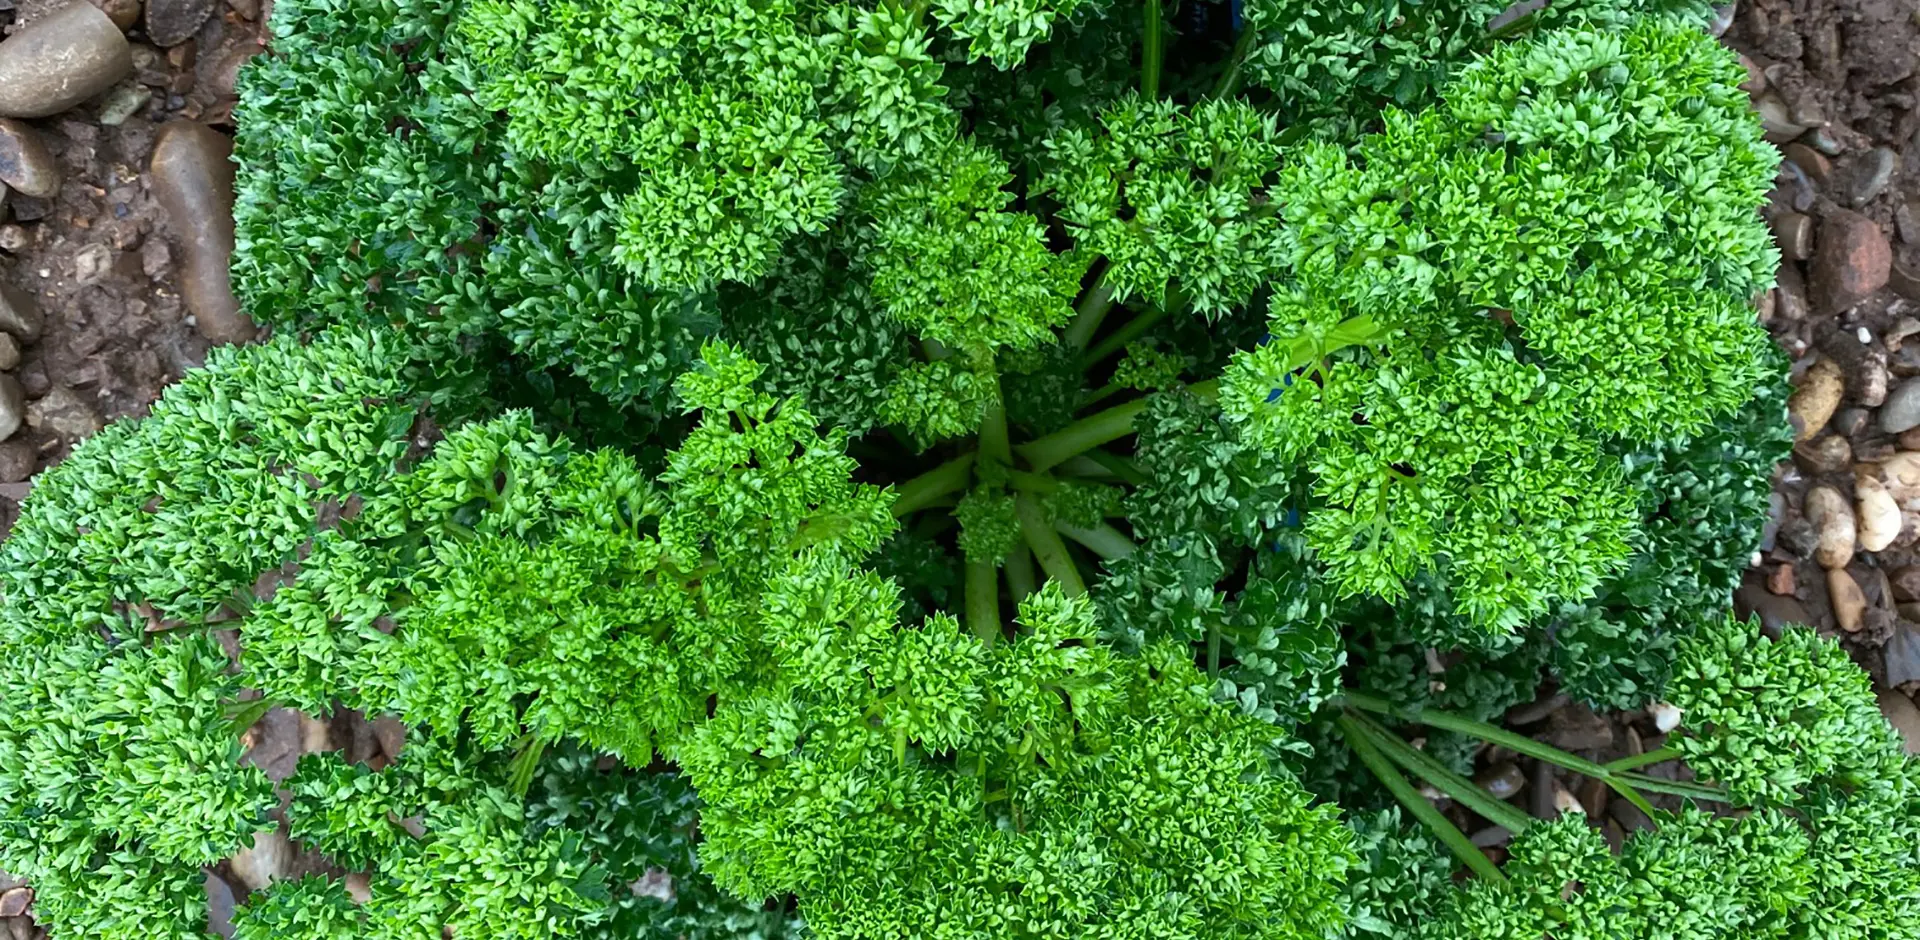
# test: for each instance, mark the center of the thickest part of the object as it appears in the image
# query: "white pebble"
(1755, 561)
(46, 272)
(1666, 717)
(1865, 337)
(1565, 802)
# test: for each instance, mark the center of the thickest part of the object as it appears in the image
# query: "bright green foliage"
(1066, 809)
(988, 529)
(1003, 29)
(1629, 304)
(1173, 198)
(953, 266)
(312, 907)
(1768, 718)
(1400, 878)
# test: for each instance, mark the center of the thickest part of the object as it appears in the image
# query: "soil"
(99, 257)
(1850, 69)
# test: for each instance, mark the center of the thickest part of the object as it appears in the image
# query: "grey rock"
(1503, 781)
(1776, 613)
(18, 460)
(1577, 728)
(25, 163)
(1902, 408)
(1903, 653)
(1775, 119)
(62, 411)
(91, 264)
(1867, 175)
(1901, 713)
(273, 743)
(1722, 19)
(15, 901)
(123, 13)
(19, 314)
(220, 902)
(172, 22)
(13, 406)
(1793, 232)
(192, 176)
(9, 352)
(60, 60)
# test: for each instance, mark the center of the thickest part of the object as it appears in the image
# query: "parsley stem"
(1638, 761)
(1048, 550)
(1126, 334)
(1438, 823)
(1103, 540)
(983, 601)
(927, 488)
(1088, 314)
(1020, 580)
(1094, 430)
(1151, 52)
(1230, 79)
(1423, 765)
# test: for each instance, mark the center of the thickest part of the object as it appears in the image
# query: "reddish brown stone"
(1780, 581)
(1852, 261)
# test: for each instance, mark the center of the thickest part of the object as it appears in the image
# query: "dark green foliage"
(1401, 877)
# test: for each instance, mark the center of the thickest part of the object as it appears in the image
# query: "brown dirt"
(1851, 70)
(97, 257)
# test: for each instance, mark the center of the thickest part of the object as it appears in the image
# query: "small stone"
(172, 22)
(1630, 816)
(62, 411)
(9, 352)
(1833, 523)
(22, 928)
(359, 886)
(1666, 716)
(1876, 512)
(1906, 583)
(26, 166)
(19, 314)
(1866, 175)
(29, 209)
(1577, 728)
(260, 863)
(1776, 613)
(225, 74)
(18, 460)
(1565, 801)
(1822, 139)
(1781, 580)
(1829, 453)
(125, 102)
(15, 901)
(315, 735)
(1756, 77)
(1900, 474)
(92, 263)
(1870, 379)
(13, 406)
(1904, 280)
(1793, 232)
(1906, 221)
(192, 176)
(1864, 335)
(123, 13)
(220, 902)
(1812, 404)
(1503, 780)
(1776, 120)
(1903, 715)
(1849, 602)
(15, 239)
(60, 60)
(1488, 838)
(1763, 305)
(1901, 411)
(1898, 333)
(1810, 161)
(392, 735)
(1851, 262)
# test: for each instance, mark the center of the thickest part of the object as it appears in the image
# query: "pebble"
(125, 102)
(1900, 474)
(1776, 121)
(15, 239)
(1903, 715)
(1776, 613)
(1833, 524)
(18, 460)
(123, 13)
(359, 886)
(1866, 175)
(19, 314)
(1503, 780)
(63, 412)
(13, 406)
(9, 352)
(1851, 262)
(1488, 838)
(1812, 404)
(1905, 582)
(1565, 801)
(221, 81)
(1906, 220)
(1793, 232)
(265, 860)
(1722, 19)
(1790, 293)
(1781, 580)
(91, 264)
(220, 902)
(1870, 375)
(1878, 514)
(60, 60)
(1902, 408)
(26, 166)
(1849, 602)
(1666, 716)
(1828, 453)
(15, 901)
(173, 22)
(1810, 161)
(1756, 78)
(1577, 728)
(192, 176)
